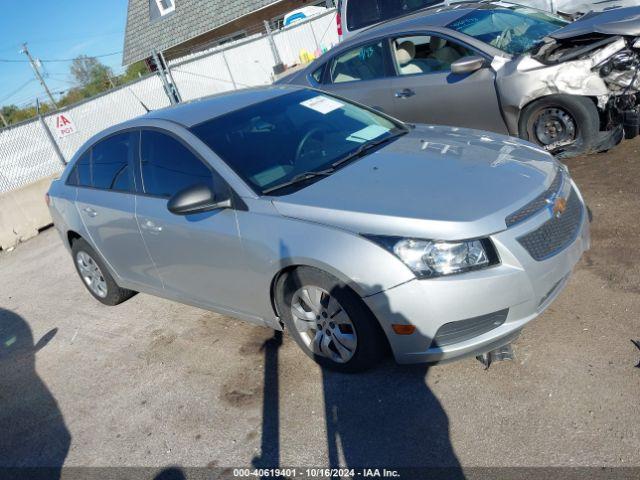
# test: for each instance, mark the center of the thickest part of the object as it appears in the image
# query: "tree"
(89, 71)
(134, 71)
(93, 78)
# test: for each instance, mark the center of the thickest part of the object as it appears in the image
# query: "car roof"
(197, 111)
(433, 16)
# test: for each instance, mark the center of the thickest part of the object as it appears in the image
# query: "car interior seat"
(442, 52)
(405, 55)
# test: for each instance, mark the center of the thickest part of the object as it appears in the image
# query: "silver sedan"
(570, 87)
(291, 208)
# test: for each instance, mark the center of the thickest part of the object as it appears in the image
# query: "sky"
(55, 30)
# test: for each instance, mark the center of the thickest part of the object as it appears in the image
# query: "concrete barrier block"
(23, 212)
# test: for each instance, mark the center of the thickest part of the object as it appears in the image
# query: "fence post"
(313, 34)
(226, 63)
(278, 67)
(175, 90)
(163, 77)
(54, 144)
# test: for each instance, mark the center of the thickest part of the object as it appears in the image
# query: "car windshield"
(514, 29)
(293, 138)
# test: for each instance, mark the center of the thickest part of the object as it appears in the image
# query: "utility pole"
(45, 127)
(110, 80)
(36, 70)
(278, 68)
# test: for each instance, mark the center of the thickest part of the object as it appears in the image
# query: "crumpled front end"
(600, 66)
(609, 61)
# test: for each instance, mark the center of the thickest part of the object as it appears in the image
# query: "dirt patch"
(240, 397)
(162, 339)
(610, 184)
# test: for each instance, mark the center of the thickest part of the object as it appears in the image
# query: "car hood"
(618, 21)
(435, 182)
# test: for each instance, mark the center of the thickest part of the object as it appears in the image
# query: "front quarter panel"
(272, 243)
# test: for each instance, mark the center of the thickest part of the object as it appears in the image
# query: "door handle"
(150, 226)
(405, 93)
(90, 211)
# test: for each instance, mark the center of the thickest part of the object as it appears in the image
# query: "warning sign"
(64, 125)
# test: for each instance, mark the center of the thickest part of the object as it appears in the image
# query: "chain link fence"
(32, 150)
(26, 155)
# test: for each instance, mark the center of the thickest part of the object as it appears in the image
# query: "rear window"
(363, 13)
(106, 165)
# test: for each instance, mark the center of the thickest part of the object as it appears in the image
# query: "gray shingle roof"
(190, 19)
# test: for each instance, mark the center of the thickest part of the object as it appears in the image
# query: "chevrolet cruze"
(294, 209)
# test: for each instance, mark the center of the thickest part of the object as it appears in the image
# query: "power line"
(6, 60)
(17, 90)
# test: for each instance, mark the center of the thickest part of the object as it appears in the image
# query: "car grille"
(555, 234)
(454, 332)
(537, 204)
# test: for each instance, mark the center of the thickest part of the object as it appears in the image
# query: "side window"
(81, 173)
(363, 63)
(317, 74)
(167, 166)
(426, 54)
(111, 159)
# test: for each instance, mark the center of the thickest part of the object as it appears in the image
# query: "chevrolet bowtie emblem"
(559, 206)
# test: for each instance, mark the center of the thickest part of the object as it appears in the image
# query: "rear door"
(362, 74)
(199, 256)
(106, 204)
(425, 90)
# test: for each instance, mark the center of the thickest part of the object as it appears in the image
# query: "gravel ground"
(155, 383)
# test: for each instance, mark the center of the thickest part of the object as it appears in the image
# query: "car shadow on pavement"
(386, 417)
(270, 443)
(34, 440)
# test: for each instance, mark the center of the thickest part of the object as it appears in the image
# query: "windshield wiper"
(365, 147)
(301, 177)
(361, 150)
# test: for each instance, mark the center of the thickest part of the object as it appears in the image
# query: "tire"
(581, 111)
(109, 292)
(370, 342)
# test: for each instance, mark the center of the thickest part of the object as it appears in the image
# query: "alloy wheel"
(91, 274)
(323, 325)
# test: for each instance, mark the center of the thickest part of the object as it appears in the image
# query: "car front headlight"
(430, 258)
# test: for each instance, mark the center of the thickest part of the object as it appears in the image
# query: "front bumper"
(522, 285)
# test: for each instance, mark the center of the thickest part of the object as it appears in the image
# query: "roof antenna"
(146, 109)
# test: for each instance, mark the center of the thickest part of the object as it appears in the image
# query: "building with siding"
(182, 27)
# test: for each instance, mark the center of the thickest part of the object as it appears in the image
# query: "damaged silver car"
(570, 87)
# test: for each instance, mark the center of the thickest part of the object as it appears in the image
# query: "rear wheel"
(561, 122)
(329, 321)
(95, 276)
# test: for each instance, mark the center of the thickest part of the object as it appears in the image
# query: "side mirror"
(195, 199)
(467, 65)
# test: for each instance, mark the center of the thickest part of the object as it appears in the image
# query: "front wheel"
(329, 321)
(561, 122)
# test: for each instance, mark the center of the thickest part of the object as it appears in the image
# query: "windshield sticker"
(322, 104)
(367, 133)
(271, 175)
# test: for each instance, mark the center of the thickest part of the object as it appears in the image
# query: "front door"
(425, 90)
(198, 256)
(106, 204)
(363, 75)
